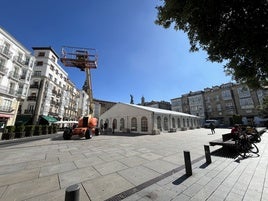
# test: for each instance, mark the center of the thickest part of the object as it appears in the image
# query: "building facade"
(16, 66)
(222, 103)
(47, 95)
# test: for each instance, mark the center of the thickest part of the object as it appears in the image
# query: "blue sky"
(136, 56)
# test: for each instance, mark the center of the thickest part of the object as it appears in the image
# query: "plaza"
(107, 167)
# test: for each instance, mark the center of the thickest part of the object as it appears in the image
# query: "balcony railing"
(34, 86)
(29, 111)
(3, 69)
(5, 52)
(14, 75)
(7, 91)
(6, 109)
(31, 98)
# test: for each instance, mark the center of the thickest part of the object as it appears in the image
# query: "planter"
(8, 136)
(19, 134)
(54, 128)
(8, 133)
(37, 130)
(29, 130)
(19, 131)
(44, 130)
(50, 130)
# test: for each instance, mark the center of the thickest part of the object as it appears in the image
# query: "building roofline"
(10, 37)
(46, 48)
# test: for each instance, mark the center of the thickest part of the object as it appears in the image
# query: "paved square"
(108, 165)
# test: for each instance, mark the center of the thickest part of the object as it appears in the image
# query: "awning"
(5, 115)
(23, 119)
(66, 122)
(49, 119)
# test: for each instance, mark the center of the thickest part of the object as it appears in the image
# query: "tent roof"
(161, 111)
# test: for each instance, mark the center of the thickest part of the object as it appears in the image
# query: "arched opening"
(122, 124)
(165, 123)
(159, 123)
(134, 124)
(144, 124)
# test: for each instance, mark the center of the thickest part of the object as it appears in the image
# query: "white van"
(209, 121)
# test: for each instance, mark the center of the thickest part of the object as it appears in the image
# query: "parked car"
(209, 121)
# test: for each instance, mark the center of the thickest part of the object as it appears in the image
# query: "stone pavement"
(110, 167)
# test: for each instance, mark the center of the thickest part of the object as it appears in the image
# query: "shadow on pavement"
(180, 180)
(226, 153)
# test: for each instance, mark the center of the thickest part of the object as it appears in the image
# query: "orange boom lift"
(84, 59)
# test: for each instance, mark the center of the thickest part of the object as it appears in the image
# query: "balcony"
(7, 91)
(6, 109)
(19, 61)
(3, 70)
(34, 86)
(29, 111)
(32, 98)
(14, 75)
(5, 52)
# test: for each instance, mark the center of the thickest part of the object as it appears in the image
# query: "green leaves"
(232, 31)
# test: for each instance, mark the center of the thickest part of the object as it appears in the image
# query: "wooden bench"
(226, 141)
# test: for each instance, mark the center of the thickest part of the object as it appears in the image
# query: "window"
(134, 124)
(53, 58)
(51, 67)
(114, 124)
(50, 76)
(159, 123)
(219, 107)
(39, 63)
(226, 95)
(41, 54)
(6, 105)
(246, 103)
(144, 124)
(37, 73)
(243, 92)
(6, 48)
(122, 124)
(2, 64)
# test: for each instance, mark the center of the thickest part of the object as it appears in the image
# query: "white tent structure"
(141, 119)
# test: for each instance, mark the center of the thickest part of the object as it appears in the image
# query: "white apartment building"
(47, 95)
(16, 66)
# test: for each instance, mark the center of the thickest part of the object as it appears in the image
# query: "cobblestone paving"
(108, 165)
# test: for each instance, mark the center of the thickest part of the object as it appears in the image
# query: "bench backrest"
(226, 137)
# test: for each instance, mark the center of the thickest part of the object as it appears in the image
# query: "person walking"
(212, 128)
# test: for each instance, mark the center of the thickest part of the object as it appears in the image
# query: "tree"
(263, 109)
(231, 31)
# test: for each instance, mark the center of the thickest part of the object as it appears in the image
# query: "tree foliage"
(231, 31)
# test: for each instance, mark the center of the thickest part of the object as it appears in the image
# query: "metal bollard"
(207, 154)
(187, 161)
(72, 193)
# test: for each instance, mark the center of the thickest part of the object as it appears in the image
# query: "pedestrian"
(235, 131)
(212, 128)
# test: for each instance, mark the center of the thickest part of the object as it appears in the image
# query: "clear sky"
(136, 56)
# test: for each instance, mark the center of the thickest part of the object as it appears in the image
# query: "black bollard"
(187, 161)
(207, 154)
(72, 193)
